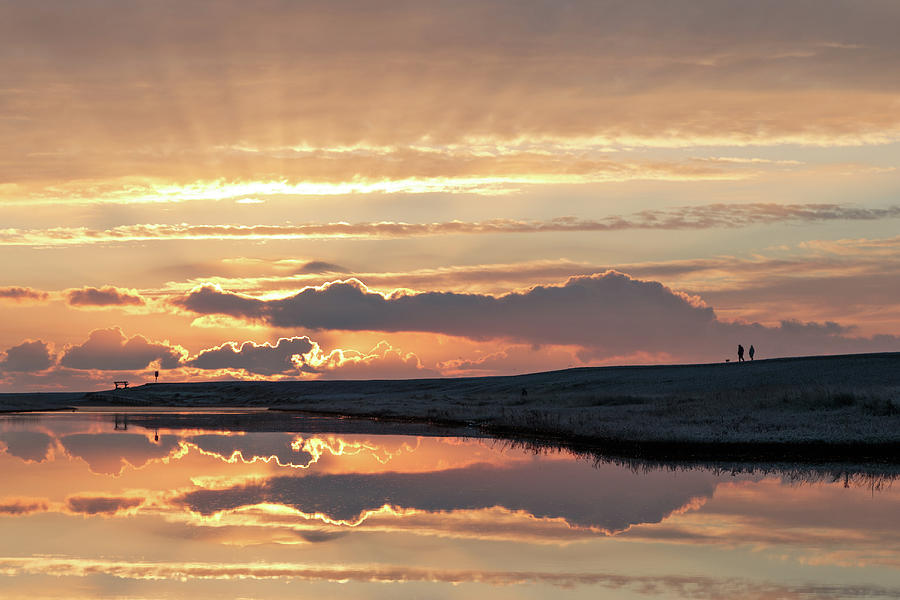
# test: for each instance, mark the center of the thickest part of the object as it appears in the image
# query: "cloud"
(381, 362)
(606, 314)
(31, 365)
(101, 505)
(296, 355)
(212, 300)
(708, 216)
(109, 349)
(579, 311)
(264, 358)
(105, 296)
(318, 266)
(29, 356)
(21, 294)
(23, 506)
(428, 97)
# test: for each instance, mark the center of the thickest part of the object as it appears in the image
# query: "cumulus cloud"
(29, 356)
(381, 362)
(212, 300)
(101, 505)
(21, 294)
(105, 296)
(23, 506)
(264, 359)
(109, 349)
(606, 314)
(684, 217)
(595, 310)
(295, 355)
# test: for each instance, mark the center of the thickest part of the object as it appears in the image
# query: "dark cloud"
(30, 446)
(109, 453)
(101, 505)
(255, 358)
(612, 499)
(213, 300)
(608, 314)
(608, 310)
(23, 507)
(105, 296)
(291, 356)
(109, 349)
(27, 357)
(318, 266)
(22, 294)
(316, 536)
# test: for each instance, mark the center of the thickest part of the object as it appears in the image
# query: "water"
(262, 505)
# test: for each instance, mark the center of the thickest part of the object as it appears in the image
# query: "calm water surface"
(170, 505)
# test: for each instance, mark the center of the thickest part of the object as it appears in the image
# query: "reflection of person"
(752, 351)
(740, 353)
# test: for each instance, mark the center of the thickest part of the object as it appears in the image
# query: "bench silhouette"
(122, 384)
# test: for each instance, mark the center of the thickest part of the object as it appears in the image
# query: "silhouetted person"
(740, 353)
(752, 351)
(156, 376)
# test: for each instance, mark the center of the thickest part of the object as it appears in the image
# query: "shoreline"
(814, 409)
(670, 451)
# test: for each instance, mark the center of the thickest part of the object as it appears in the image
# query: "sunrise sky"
(276, 189)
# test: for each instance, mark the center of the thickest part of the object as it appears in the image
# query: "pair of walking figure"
(741, 353)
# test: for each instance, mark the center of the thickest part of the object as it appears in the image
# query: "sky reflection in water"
(90, 509)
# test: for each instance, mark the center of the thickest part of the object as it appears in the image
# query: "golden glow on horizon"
(254, 192)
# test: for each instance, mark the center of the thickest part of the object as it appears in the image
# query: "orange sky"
(282, 190)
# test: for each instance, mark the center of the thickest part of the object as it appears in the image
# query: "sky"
(296, 190)
(109, 506)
